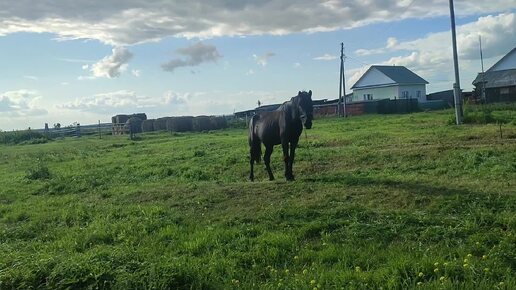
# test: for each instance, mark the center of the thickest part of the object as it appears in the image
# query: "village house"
(499, 81)
(389, 82)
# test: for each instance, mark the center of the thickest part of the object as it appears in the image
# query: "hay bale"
(122, 119)
(148, 125)
(202, 123)
(160, 124)
(180, 124)
(134, 125)
(218, 122)
(141, 116)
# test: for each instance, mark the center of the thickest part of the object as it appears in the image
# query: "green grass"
(379, 202)
(499, 113)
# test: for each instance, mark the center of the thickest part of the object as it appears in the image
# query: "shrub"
(22, 137)
(488, 113)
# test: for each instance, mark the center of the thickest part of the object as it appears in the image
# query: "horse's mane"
(289, 102)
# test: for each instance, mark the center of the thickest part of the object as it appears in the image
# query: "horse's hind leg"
(251, 175)
(267, 160)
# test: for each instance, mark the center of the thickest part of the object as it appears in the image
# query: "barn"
(389, 82)
(499, 81)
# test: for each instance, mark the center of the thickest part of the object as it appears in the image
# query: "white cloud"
(20, 103)
(136, 72)
(263, 60)
(135, 21)
(297, 65)
(194, 55)
(109, 102)
(110, 66)
(250, 72)
(171, 103)
(124, 100)
(391, 44)
(34, 78)
(326, 57)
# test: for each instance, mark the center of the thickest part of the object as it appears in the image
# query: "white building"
(389, 82)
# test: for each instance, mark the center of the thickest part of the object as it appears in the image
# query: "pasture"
(379, 201)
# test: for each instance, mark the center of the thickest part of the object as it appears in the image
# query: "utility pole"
(483, 93)
(456, 86)
(342, 83)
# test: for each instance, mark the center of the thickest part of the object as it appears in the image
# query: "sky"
(66, 61)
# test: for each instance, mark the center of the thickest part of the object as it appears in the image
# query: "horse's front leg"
(267, 160)
(286, 160)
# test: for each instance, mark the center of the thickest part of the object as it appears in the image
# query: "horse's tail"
(254, 141)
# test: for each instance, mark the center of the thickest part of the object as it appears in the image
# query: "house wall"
(412, 92)
(378, 93)
(504, 94)
(391, 92)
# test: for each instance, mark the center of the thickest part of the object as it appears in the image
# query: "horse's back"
(267, 127)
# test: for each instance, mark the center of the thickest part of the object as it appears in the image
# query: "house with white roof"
(389, 82)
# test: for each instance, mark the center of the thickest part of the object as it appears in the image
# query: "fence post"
(100, 133)
(46, 130)
(78, 130)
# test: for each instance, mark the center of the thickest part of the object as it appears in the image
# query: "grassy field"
(380, 202)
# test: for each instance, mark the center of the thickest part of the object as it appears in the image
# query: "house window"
(418, 94)
(368, 97)
(504, 91)
(404, 95)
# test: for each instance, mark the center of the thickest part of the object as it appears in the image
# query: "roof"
(497, 79)
(399, 74)
(502, 59)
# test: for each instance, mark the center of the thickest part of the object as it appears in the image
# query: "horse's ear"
(310, 93)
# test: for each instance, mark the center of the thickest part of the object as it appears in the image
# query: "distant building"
(389, 82)
(446, 96)
(499, 81)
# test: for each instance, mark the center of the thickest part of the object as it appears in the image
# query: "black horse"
(283, 126)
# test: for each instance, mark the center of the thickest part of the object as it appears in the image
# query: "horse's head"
(306, 108)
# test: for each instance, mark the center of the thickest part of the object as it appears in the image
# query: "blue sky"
(83, 64)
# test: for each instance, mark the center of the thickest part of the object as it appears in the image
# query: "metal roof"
(497, 79)
(399, 74)
(502, 59)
